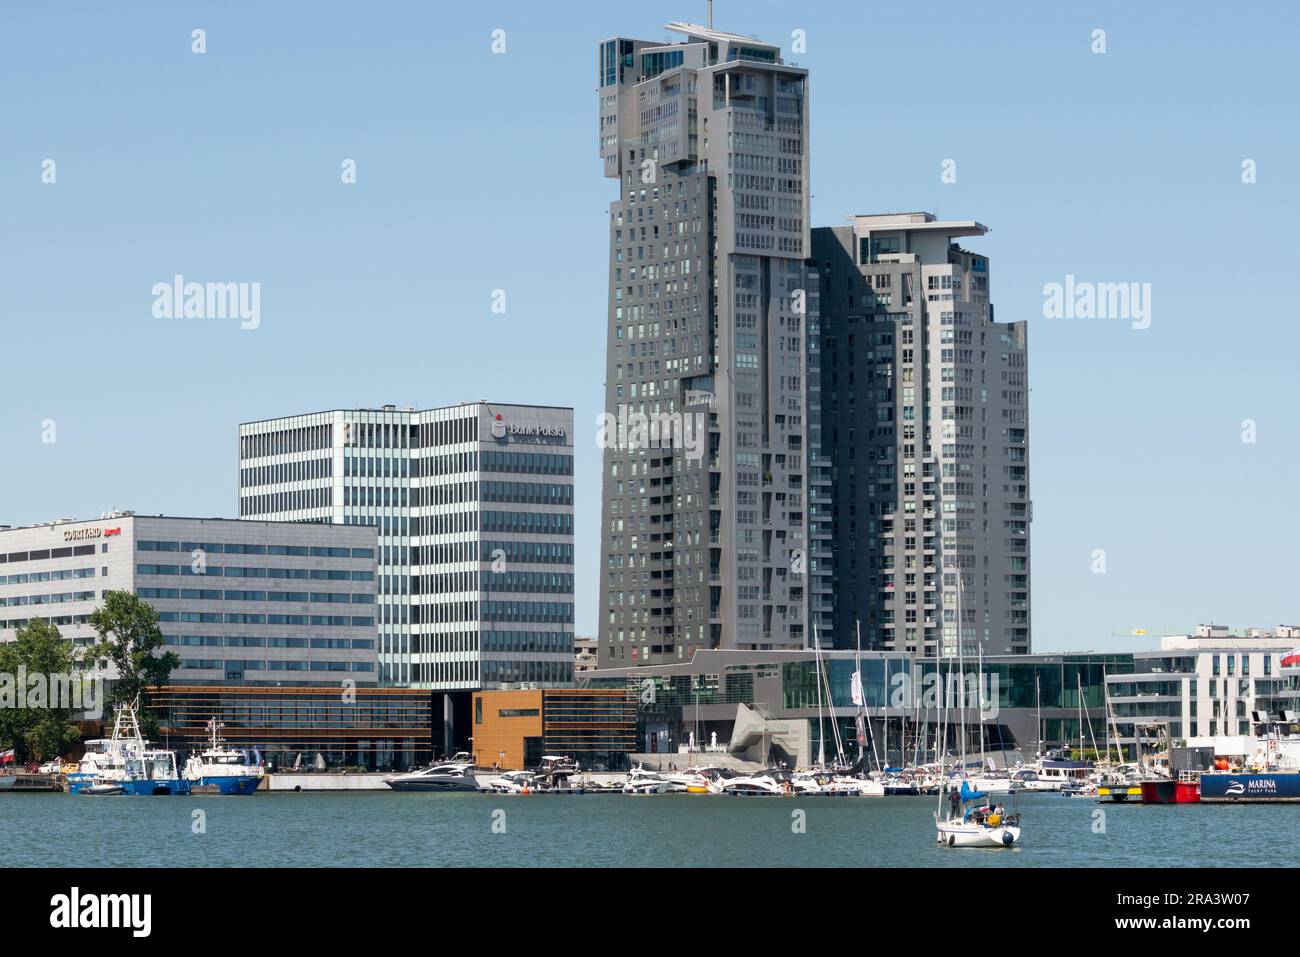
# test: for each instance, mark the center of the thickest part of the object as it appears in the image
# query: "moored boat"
(454, 775)
(1266, 787)
(218, 769)
(125, 764)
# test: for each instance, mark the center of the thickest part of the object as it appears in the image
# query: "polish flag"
(1292, 660)
(7, 757)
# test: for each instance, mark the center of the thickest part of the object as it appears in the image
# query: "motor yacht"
(642, 780)
(697, 780)
(769, 781)
(454, 775)
(512, 782)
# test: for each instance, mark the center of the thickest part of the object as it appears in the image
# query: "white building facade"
(240, 602)
(473, 508)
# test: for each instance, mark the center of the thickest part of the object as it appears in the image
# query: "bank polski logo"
(498, 427)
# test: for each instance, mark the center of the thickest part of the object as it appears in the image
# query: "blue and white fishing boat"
(125, 764)
(154, 773)
(219, 769)
(103, 767)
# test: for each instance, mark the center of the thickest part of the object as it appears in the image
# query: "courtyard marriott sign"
(81, 534)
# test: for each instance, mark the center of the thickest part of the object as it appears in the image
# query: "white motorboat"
(512, 782)
(769, 781)
(809, 782)
(107, 787)
(856, 787)
(558, 773)
(454, 775)
(697, 780)
(992, 785)
(104, 760)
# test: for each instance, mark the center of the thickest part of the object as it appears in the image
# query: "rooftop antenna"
(710, 14)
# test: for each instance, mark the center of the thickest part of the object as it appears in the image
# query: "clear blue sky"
(479, 171)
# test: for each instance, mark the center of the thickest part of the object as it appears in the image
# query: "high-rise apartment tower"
(709, 539)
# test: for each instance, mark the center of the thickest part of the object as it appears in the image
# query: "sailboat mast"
(979, 704)
(961, 676)
(1079, 681)
(862, 708)
(821, 730)
(1038, 702)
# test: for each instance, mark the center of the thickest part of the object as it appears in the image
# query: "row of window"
(14, 601)
(236, 618)
(216, 594)
(247, 641)
(527, 523)
(551, 611)
(58, 575)
(217, 548)
(48, 553)
(545, 672)
(218, 664)
(560, 642)
(198, 569)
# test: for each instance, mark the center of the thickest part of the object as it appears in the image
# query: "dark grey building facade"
(708, 536)
(924, 427)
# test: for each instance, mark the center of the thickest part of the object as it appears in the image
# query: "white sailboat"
(969, 821)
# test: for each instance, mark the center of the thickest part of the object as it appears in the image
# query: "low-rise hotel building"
(240, 602)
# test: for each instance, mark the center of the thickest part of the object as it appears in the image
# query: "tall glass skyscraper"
(715, 542)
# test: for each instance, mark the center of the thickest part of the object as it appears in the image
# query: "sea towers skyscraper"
(712, 307)
(925, 408)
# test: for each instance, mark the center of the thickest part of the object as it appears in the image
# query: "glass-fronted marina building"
(1016, 705)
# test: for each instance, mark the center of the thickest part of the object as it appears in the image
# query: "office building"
(706, 537)
(514, 729)
(304, 728)
(240, 602)
(473, 508)
(924, 427)
(1204, 687)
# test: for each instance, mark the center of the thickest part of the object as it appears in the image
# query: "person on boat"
(968, 795)
(954, 803)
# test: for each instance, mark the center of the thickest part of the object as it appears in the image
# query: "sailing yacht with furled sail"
(970, 820)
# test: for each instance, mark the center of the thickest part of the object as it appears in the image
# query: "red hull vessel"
(1171, 792)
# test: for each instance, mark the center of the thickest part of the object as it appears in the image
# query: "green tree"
(39, 732)
(129, 638)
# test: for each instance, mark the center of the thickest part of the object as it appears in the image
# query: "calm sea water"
(423, 830)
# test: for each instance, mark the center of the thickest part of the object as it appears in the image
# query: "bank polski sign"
(502, 429)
